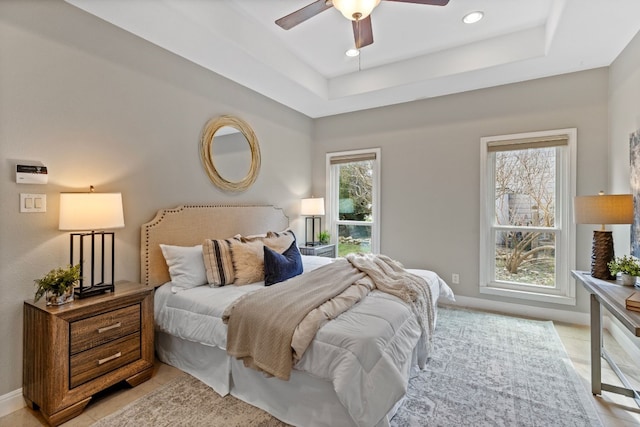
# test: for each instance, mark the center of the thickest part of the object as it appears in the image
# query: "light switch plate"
(33, 202)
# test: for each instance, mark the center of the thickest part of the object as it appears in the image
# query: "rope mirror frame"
(206, 153)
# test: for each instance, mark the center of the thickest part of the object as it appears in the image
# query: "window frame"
(564, 228)
(332, 194)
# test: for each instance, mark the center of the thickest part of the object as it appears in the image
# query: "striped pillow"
(218, 261)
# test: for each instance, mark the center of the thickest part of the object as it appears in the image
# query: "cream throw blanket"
(390, 276)
(261, 325)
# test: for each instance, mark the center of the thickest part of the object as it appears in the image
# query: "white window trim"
(332, 212)
(565, 291)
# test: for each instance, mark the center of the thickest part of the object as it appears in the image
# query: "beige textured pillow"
(248, 262)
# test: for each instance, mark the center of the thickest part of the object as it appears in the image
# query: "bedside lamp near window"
(92, 213)
(312, 208)
(603, 209)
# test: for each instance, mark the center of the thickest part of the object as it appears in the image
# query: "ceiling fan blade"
(362, 32)
(429, 2)
(301, 15)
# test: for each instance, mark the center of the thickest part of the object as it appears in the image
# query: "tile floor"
(614, 410)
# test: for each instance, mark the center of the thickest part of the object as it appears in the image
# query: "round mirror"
(230, 153)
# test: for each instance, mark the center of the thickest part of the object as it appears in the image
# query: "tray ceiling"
(419, 51)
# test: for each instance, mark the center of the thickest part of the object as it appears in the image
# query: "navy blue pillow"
(278, 268)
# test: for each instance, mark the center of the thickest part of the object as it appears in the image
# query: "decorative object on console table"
(627, 266)
(328, 251)
(312, 208)
(603, 209)
(633, 302)
(72, 352)
(91, 212)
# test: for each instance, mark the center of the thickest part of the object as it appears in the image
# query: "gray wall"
(624, 119)
(101, 107)
(431, 165)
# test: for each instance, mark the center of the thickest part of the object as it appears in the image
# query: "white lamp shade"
(90, 211)
(312, 207)
(604, 209)
(355, 8)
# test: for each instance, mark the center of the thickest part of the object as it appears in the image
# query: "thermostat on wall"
(31, 174)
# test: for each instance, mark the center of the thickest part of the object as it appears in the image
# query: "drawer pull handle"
(107, 359)
(108, 328)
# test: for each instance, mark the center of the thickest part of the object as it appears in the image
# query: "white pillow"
(186, 266)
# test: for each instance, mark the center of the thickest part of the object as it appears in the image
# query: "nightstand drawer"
(94, 331)
(93, 363)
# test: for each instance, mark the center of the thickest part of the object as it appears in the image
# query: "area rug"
(486, 370)
(495, 370)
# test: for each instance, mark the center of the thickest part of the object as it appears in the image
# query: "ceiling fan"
(358, 11)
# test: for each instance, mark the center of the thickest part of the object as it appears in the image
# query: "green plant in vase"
(58, 285)
(324, 237)
(627, 266)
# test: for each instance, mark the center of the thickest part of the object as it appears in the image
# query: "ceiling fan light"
(472, 17)
(352, 52)
(355, 9)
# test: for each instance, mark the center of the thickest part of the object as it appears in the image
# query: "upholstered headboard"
(189, 225)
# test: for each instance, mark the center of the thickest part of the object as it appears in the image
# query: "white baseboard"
(623, 337)
(522, 310)
(11, 401)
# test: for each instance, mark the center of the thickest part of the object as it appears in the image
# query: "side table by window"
(328, 251)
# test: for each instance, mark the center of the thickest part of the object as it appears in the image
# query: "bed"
(354, 372)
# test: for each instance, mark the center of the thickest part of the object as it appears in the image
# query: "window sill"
(530, 296)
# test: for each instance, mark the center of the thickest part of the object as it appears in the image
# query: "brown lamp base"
(601, 254)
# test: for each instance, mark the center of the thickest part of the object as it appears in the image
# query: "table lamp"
(92, 213)
(603, 209)
(311, 208)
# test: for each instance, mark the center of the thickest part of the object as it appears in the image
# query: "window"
(353, 200)
(527, 243)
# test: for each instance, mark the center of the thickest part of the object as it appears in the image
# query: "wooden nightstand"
(328, 251)
(72, 351)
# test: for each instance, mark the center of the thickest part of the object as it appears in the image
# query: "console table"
(611, 296)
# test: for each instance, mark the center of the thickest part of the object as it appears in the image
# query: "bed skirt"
(302, 401)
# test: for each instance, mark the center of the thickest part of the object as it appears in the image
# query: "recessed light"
(352, 52)
(472, 17)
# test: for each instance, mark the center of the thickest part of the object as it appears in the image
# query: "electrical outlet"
(455, 278)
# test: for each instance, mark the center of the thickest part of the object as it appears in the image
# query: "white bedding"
(364, 350)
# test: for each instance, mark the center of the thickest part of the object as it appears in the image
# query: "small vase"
(627, 279)
(54, 298)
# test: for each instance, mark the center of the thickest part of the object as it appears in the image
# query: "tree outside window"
(352, 200)
(527, 243)
(525, 197)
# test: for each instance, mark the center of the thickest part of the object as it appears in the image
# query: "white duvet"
(363, 350)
